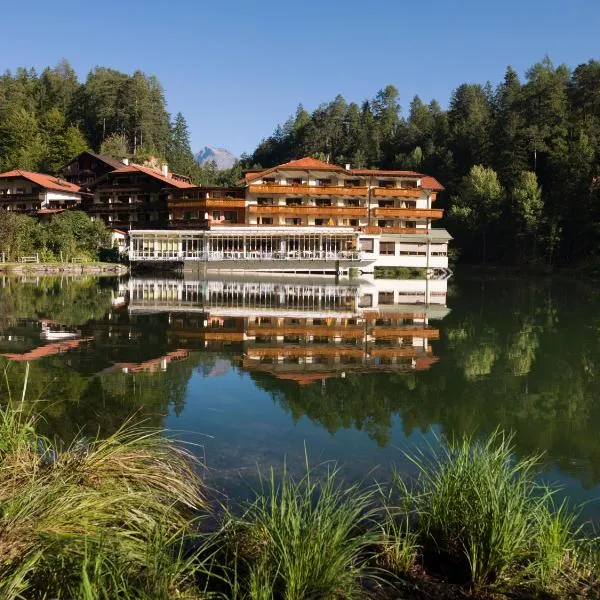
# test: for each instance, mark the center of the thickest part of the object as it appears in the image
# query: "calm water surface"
(255, 372)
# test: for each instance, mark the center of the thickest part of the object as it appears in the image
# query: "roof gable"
(152, 173)
(47, 182)
(306, 163)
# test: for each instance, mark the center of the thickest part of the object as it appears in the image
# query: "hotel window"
(264, 201)
(216, 215)
(265, 220)
(386, 204)
(408, 184)
(187, 215)
(294, 181)
(269, 181)
(366, 301)
(293, 201)
(294, 221)
(353, 222)
(386, 298)
(320, 222)
(352, 183)
(410, 224)
(231, 216)
(366, 245)
(353, 202)
(322, 182)
(385, 183)
(387, 248)
(323, 202)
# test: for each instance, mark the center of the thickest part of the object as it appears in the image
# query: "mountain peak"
(223, 158)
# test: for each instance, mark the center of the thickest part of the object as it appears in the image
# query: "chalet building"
(36, 194)
(133, 197)
(304, 216)
(205, 207)
(86, 167)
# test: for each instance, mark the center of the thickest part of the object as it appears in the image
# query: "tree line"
(71, 234)
(519, 160)
(48, 118)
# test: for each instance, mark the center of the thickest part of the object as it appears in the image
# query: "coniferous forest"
(519, 159)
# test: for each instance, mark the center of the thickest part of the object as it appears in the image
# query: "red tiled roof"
(118, 231)
(153, 173)
(47, 350)
(46, 181)
(431, 183)
(302, 163)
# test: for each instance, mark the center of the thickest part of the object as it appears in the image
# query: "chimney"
(347, 166)
(165, 170)
(125, 161)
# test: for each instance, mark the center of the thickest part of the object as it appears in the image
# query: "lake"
(258, 372)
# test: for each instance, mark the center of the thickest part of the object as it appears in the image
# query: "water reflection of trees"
(520, 355)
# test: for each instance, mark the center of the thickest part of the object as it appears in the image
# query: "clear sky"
(236, 69)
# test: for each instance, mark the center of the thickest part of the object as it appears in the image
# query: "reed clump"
(104, 514)
(301, 539)
(484, 519)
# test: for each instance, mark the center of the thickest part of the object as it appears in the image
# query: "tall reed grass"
(94, 518)
(486, 515)
(304, 538)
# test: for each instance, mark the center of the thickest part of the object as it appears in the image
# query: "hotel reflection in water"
(303, 331)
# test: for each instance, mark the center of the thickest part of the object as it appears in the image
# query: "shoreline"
(96, 268)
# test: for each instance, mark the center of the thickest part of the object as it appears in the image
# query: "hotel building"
(304, 216)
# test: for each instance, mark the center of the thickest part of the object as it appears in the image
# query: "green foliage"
(303, 539)
(97, 518)
(480, 509)
(68, 235)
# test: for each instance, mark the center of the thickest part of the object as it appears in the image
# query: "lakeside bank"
(127, 516)
(62, 268)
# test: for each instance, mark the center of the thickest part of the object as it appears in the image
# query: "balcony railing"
(409, 213)
(382, 332)
(208, 203)
(218, 255)
(304, 330)
(309, 190)
(409, 230)
(397, 193)
(21, 197)
(350, 211)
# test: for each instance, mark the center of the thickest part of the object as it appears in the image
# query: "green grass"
(95, 518)
(302, 539)
(486, 514)
(123, 517)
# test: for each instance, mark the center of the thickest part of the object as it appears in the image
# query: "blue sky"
(236, 69)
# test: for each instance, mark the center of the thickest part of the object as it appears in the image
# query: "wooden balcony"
(409, 230)
(304, 330)
(308, 190)
(409, 213)
(397, 193)
(395, 351)
(202, 203)
(316, 211)
(299, 351)
(383, 332)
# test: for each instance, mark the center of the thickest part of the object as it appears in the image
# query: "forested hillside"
(519, 160)
(47, 118)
